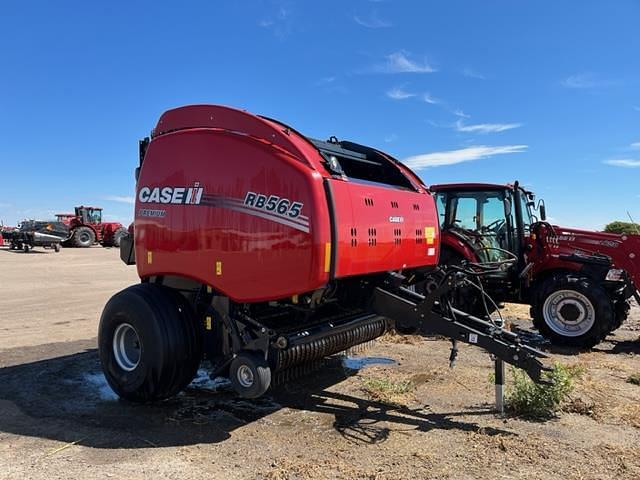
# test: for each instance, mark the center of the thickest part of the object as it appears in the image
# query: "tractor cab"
(89, 215)
(488, 223)
(492, 220)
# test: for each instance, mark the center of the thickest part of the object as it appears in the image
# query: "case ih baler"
(260, 249)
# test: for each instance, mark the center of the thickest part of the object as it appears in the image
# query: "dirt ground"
(393, 411)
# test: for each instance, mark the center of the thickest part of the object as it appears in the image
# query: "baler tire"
(56, 247)
(169, 343)
(83, 237)
(259, 370)
(586, 288)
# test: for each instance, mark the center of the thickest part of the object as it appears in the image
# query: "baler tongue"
(412, 310)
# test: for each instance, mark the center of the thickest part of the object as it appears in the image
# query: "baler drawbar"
(261, 250)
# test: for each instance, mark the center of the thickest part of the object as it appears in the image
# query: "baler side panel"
(243, 250)
(381, 229)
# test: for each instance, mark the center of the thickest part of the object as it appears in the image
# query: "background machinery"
(86, 228)
(577, 282)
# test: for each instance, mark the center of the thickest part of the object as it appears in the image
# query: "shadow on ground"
(63, 399)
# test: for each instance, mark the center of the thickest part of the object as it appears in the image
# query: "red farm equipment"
(87, 228)
(577, 282)
(260, 250)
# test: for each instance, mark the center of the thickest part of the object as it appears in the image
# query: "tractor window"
(493, 214)
(441, 206)
(526, 214)
(466, 213)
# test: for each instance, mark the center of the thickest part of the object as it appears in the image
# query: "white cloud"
(281, 24)
(372, 21)
(623, 162)
(485, 127)
(399, 62)
(451, 157)
(460, 113)
(391, 138)
(326, 80)
(428, 98)
(120, 199)
(471, 73)
(399, 93)
(635, 145)
(586, 81)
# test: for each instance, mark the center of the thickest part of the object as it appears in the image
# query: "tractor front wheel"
(573, 311)
(149, 344)
(83, 237)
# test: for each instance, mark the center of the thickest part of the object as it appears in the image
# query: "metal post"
(499, 374)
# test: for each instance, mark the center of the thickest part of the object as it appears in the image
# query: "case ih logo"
(175, 195)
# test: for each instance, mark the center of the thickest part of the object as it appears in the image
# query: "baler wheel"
(149, 344)
(250, 375)
(83, 237)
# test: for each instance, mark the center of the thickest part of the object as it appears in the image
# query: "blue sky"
(546, 92)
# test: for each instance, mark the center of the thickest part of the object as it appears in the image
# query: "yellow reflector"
(208, 323)
(430, 235)
(149, 258)
(218, 268)
(327, 257)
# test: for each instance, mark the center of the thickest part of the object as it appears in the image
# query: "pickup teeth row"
(332, 343)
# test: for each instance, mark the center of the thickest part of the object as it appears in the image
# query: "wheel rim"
(569, 313)
(245, 376)
(127, 349)
(85, 237)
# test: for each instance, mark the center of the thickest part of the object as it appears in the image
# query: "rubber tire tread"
(171, 351)
(603, 306)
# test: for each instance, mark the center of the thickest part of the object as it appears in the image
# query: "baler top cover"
(259, 212)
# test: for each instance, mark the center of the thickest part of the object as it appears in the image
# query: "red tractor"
(577, 282)
(86, 228)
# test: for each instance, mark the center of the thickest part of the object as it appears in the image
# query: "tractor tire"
(573, 311)
(83, 237)
(250, 374)
(117, 237)
(621, 308)
(149, 344)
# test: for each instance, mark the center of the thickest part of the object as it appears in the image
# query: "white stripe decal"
(273, 218)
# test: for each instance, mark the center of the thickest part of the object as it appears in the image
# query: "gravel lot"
(58, 419)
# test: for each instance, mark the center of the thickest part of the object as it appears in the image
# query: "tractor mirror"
(137, 173)
(543, 210)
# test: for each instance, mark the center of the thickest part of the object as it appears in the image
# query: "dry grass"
(389, 391)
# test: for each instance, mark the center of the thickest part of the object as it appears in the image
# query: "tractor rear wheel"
(149, 344)
(573, 311)
(83, 237)
(117, 236)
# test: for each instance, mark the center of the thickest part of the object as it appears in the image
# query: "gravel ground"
(393, 410)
